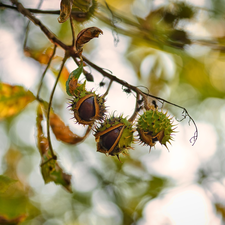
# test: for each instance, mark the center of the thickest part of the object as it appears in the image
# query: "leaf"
(50, 169)
(65, 10)
(41, 55)
(220, 209)
(5, 182)
(71, 83)
(63, 132)
(6, 221)
(13, 99)
(86, 35)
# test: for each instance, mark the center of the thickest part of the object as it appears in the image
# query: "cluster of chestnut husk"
(115, 134)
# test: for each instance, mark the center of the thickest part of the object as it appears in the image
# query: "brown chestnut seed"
(87, 109)
(107, 140)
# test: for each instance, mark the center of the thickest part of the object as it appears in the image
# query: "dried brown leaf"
(65, 10)
(63, 132)
(86, 35)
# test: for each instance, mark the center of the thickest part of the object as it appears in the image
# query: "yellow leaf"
(13, 99)
(42, 56)
(5, 182)
(63, 77)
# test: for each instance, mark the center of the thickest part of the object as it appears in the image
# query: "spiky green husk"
(83, 13)
(79, 96)
(125, 137)
(154, 126)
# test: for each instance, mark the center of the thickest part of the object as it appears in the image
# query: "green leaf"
(50, 169)
(5, 182)
(13, 99)
(71, 83)
(65, 10)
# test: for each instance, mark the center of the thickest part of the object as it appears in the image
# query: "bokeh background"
(180, 59)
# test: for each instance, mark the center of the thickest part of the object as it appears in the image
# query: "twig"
(185, 114)
(113, 22)
(154, 42)
(73, 31)
(143, 94)
(71, 52)
(107, 91)
(27, 27)
(43, 75)
(132, 118)
(49, 107)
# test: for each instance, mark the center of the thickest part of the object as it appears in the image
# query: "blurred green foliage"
(171, 60)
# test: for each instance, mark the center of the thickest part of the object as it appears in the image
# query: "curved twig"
(49, 107)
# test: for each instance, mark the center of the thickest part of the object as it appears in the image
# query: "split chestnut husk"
(114, 136)
(87, 106)
(154, 126)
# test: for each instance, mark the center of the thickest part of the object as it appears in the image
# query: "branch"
(143, 34)
(144, 95)
(71, 52)
(53, 12)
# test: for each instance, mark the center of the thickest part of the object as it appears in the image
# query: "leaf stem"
(73, 31)
(49, 107)
(132, 118)
(107, 91)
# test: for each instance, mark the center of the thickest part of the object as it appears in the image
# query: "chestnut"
(114, 136)
(87, 109)
(107, 140)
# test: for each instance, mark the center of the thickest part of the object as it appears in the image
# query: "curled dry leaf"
(86, 35)
(65, 10)
(42, 141)
(63, 132)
